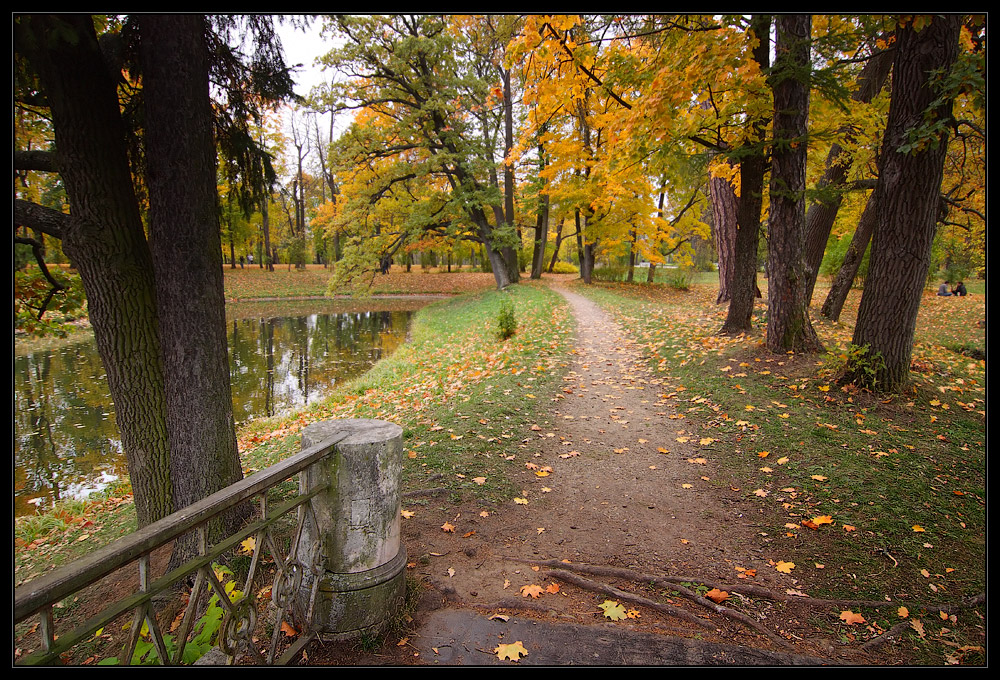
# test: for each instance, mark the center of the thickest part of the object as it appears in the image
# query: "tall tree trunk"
(542, 222)
(184, 239)
(907, 198)
(752, 167)
(823, 212)
(630, 277)
(558, 244)
(841, 286)
(105, 241)
(725, 203)
(788, 324)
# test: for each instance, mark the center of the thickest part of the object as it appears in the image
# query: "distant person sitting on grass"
(959, 289)
(943, 289)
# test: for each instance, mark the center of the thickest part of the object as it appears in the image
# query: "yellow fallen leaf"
(511, 652)
(448, 528)
(785, 567)
(903, 612)
(917, 528)
(479, 480)
(521, 501)
(407, 513)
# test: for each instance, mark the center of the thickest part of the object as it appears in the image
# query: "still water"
(281, 357)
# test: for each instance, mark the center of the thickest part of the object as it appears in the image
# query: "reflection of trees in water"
(65, 436)
(278, 364)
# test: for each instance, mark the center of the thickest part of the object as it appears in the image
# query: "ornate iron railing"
(240, 627)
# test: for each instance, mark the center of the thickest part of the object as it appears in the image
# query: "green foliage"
(680, 278)
(855, 364)
(206, 631)
(506, 321)
(31, 289)
(609, 274)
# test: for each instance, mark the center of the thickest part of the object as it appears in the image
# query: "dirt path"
(613, 498)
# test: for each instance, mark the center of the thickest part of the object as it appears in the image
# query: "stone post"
(355, 549)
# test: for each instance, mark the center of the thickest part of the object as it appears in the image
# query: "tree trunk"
(834, 303)
(907, 199)
(542, 223)
(788, 324)
(630, 277)
(752, 167)
(184, 238)
(555, 252)
(106, 243)
(823, 212)
(724, 205)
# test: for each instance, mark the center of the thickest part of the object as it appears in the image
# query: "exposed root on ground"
(563, 571)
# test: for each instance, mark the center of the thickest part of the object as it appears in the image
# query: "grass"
(900, 480)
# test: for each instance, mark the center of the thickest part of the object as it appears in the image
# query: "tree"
(103, 237)
(425, 128)
(134, 300)
(788, 325)
(907, 195)
(185, 244)
(753, 164)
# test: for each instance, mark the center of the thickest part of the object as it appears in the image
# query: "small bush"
(857, 365)
(506, 321)
(679, 279)
(609, 274)
(565, 268)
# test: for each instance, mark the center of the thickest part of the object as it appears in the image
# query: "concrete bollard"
(356, 547)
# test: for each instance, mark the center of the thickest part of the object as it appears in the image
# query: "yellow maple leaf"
(918, 528)
(784, 567)
(448, 528)
(249, 545)
(819, 478)
(823, 519)
(521, 501)
(511, 652)
(552, 588)
(407, 513)
(533, 591)
(613, 610)
(479, 480)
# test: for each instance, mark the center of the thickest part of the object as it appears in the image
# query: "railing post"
(350, 543)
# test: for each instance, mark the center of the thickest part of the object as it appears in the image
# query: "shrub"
(565, 268)
(506, 321)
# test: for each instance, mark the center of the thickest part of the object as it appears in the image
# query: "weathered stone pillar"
(356, 545)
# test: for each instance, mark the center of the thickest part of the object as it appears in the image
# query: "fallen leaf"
(917, 528)
(613, 610)
(521, 501)
(448, 527)
(850, 618)
(511, 652)
(479, 480)
(903, 612)
(407, 513)
(785, 567)
(533, 591)
(918, 626)
(716, 595)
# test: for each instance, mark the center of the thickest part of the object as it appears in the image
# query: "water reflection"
(281, 358)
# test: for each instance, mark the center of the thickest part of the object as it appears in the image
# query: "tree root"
(562, 571)
(670, 610)
(750, 590)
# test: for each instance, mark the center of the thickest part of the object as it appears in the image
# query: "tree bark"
(555, 251)
(542, 223)
(823, 212)
(725, 203)
(907, 198)
(104, 240)
(184, 239)
(788, 324)
(753, 164)
(834, 303)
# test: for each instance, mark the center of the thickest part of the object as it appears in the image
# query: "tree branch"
(39, 218)
(42, 161)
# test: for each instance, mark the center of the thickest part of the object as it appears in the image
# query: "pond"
(282, 356)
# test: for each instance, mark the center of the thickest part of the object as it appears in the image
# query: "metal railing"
(240, 626)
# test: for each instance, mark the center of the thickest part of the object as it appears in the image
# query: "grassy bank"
(870, 496)
(462, 396)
